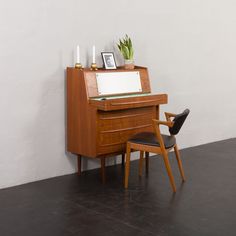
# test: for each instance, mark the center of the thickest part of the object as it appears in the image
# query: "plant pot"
(129, 64)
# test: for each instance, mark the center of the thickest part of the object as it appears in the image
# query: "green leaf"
(126, 48)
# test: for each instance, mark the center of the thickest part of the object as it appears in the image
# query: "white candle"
(93, 54)
(78, 56)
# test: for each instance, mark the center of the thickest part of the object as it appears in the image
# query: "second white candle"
(93, 54)
(78, 55)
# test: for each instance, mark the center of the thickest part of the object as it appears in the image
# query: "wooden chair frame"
(155, 149)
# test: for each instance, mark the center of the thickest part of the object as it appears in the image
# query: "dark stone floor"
(72, 205)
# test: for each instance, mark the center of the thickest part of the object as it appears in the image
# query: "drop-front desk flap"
(128, 101)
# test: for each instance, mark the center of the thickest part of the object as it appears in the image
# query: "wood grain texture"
(81, 117)
(177, 155)
(131, 102)
(101, 128)
(116, 127)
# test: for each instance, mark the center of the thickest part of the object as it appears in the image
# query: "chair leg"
(147, 161)
(127, 165)
(140, 163)
(169, 171)
(179, 162)
(123, 159)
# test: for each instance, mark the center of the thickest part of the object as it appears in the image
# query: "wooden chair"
(158, 143)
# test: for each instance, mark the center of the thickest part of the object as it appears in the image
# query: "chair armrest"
(168, 115)
(160, 122)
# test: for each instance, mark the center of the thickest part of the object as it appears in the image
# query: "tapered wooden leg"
(147, 161)
(79, 164)
(103, 165)
(127, 165)
(123, 159)
(140, 163)
(169, 171)
(179, 162)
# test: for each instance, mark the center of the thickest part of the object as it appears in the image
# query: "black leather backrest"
(178, 122)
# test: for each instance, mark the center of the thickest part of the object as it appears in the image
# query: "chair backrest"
(178, 122)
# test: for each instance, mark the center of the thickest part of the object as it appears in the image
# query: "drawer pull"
(126, 116)
(112, 144)
(130, 128)
(131, 103)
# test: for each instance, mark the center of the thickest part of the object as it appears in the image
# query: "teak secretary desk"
(105, 108)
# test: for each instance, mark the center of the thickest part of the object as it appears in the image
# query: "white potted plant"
(126, 48)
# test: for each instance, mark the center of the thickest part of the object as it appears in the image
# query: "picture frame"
(109, 60)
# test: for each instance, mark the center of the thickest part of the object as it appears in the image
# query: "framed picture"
(109, 60)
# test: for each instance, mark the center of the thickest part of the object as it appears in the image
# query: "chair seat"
(149, 138)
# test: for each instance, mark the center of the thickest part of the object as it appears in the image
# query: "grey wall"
(188, 46)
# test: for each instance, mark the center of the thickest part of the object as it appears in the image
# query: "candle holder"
(93, 66)
(78, 66)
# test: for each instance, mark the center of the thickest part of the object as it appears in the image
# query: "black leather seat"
(149, 138)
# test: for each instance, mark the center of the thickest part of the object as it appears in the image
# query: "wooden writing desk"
(101, 119)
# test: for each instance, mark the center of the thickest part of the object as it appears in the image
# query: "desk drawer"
(129, 103)
(116, 127)
(119, 120)
(115, 142)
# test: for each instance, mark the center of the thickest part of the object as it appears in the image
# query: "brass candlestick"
(78, 66)
(93, 66)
